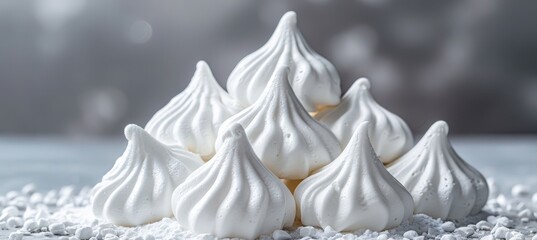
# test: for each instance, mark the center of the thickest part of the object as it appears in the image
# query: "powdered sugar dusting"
(66, 214)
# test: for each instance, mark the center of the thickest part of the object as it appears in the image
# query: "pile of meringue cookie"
(282, 148)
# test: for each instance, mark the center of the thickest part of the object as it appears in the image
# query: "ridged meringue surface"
(138, 189)
(192, 118)
(353, 192)
(233, 194)
(442, 184)
(283, 134)
(313, 78)
(390, 135)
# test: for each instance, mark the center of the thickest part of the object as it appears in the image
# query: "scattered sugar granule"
(488, 237)
(150, 237)
(410, 234)
(448, 226)
(111, 237)
(71, 229)
(84, 233)
(448, 237)
(11, 211)
(501, 232)
(520, 190)
(3, 225)
(42, 223)
(12, 195)
(465, 231)
(382, 237)
(36, 198)
(28, 189)
(30, 225)
(484, 225)
(307, 231)
(57, 228)
(281, 235)
(15, 236)
(504, 222)
(14, 222)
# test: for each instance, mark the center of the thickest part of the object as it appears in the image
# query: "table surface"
(55, 162)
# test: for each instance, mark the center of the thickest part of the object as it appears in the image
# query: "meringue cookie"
(139, 187)
(390, 135)
(192, 118)
(284, 136)
(353, 192)
(442, 184)
(233, 194)
(314, 79)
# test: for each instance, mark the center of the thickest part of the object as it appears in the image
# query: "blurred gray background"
(89, 67)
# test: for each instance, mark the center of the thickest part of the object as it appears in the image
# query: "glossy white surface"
(353, 192)
(139, 187)
(313, 78)
(442, 184)
(233, 194)
(192, 118)
(283, 134)
(390, 135)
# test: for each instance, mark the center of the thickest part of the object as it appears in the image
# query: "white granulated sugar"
(65, 214)
(57, 228)
(30, 225)
(520, 190)
(84, 233)
(281, 235)
(42, 222)
(448, 226)
(14, 222)
(15, 236)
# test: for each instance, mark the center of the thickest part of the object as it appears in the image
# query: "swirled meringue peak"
(233, 194)
(353, 192)
(192, 118)
(313, 78)
(390, 135)
(442, 184)
(283, 134)
(138, 189)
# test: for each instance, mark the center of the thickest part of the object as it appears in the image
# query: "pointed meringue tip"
(202, 66)
(440, 127)
(133, 131)
(289, 18)
(203, 69)
(363, 83)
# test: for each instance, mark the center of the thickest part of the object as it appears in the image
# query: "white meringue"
(139, 187)
(233, 194)
(442, 184)
(313, 78)
(283, 134)
(192, 118)
(353, 192)
(390, 135)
